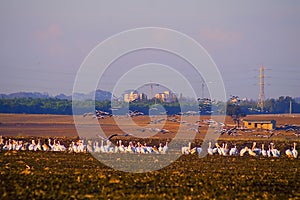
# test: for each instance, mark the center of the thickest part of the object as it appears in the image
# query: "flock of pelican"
(106, 146)
(253, 151)
(79, 146)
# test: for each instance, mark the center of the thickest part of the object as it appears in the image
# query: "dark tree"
(236, 112)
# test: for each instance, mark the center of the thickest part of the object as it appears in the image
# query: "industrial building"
(260, 124)
(134, 96)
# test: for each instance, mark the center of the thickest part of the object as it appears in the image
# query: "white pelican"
(96, 147)
(209, 149)
(263, 151)
(80, 146)
(243, 151)
(50, 145)
(186, 149)
(61, 147)
(139, 148)
(108, 147)
(121, 147)
(32, 145)
(199, 150)
(7, 146)
(45, 147)
(19, 145)
(233, 151)
(218, 149)
(74, 148)
(160, 148)
(102, 148)
(14, 144)
(155, 150)
(275, 152)
(148, 149)
(131, 148)
(89, 146)
(165, 149)
(38, 146)
(70, 149)
(269, 152)
(116, 149)
(289, 153)
(224, 149)
(254, 151)
(294, 151)
(55, 146)
(10, 146)
(24, 147)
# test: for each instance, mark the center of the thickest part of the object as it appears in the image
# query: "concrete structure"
(134, 96)
(260, 124)
(166, 96)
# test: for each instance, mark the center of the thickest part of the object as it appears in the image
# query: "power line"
(261, 97)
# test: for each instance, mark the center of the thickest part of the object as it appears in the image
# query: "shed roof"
(260, 121)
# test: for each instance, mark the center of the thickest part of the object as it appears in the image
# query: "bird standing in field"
(233, 151)
(31, 147)
(275, 152)
(254, 151)
(243, 151)
(186, 149)
(224, 149)
(263, 151)
(38, 146)
(209, 149)
(292, 153)
(165, 148)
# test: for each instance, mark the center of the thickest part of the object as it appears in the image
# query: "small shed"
(260, 124)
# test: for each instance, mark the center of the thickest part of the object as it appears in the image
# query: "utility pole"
(151, 88)
(291, 109)
(151, 91)
(202, 87)
(261, 97)
(203, 84)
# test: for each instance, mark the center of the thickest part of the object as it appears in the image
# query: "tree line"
(64, 106)
(271, 106)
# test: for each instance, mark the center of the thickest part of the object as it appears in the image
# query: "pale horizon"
(43, 44)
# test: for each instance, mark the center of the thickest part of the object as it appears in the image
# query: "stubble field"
(50, 175)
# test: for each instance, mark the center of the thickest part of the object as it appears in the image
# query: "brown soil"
(24, 125)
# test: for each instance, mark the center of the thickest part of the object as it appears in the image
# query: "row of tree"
(204, 107)
(272, 106)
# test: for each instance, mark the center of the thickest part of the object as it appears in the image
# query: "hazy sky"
(43, 43)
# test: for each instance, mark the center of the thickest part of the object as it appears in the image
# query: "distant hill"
(34, 95)
(63, 96)
(100, 95)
